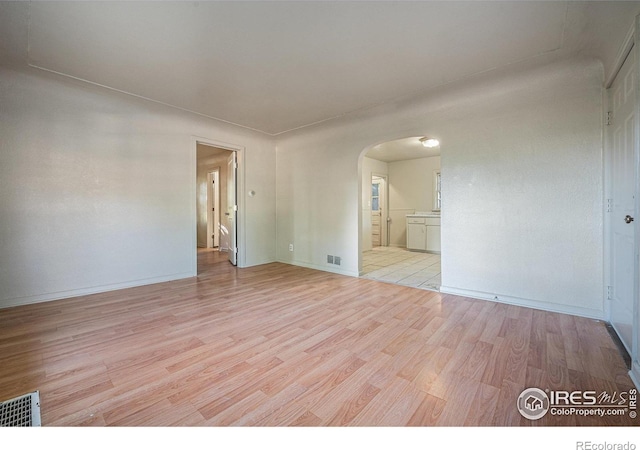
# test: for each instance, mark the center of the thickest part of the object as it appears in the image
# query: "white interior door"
(213, 206)
(379, 211)
(621, 137)
(232, 208)
(376, 211)
(210, 210)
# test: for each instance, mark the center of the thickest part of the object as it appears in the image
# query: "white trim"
(624, 51)
(142, 97)
(359, 169)
(528, 303)
(260, 262)
(606, 216)
(193, 205)
(40, 298)
(321, 268)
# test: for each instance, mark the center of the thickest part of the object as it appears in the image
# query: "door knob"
(628, 219)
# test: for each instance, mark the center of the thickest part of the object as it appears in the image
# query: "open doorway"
(401, 204)
(216, 203)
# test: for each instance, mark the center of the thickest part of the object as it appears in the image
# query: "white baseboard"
(535, 304)
(47, 297)
(328, 268)
(258, 263)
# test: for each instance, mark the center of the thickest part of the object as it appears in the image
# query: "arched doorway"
(400, 220)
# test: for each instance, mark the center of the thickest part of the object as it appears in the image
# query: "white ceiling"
(402, 149)
(278, 66)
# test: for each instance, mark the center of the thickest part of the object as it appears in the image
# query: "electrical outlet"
(290, 247)
(330, 259)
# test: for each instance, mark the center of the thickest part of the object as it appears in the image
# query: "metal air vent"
(23, 411)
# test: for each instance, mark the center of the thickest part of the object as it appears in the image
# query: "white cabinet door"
(433, 238)
(416, 236)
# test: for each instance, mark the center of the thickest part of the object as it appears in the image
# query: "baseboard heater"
(23, 411)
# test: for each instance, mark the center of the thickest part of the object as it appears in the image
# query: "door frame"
(240, 189)
(232, 207)
(631, 44)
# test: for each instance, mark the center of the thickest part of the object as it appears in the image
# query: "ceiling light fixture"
(429, 142)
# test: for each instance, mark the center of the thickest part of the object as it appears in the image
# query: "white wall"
(522, 184)
(369, 167)
(97, 189)
(410, 190)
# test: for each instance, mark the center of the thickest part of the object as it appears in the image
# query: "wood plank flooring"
(278, 345)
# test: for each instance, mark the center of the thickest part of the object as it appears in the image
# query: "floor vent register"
(23, 411)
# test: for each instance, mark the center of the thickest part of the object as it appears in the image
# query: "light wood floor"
(278, 345)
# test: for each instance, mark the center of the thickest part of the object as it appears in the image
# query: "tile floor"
(401, 266)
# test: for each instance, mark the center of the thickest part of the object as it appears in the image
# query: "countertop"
(424, 214)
